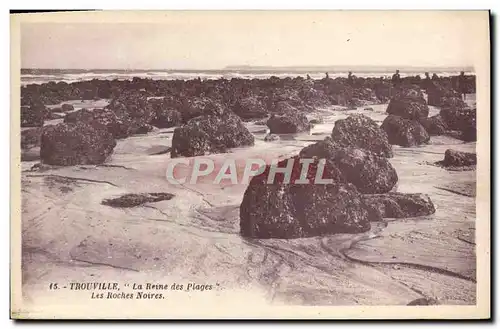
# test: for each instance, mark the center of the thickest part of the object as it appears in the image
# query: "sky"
(214, 40)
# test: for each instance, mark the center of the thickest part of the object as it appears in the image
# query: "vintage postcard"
(250, 164)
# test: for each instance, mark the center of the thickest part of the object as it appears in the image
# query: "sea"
(40, 76)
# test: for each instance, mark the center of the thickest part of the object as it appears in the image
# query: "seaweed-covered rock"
(434, 125)
(360, 131)
(34, 115)
(31, 137)
(67, 107)
(461, 119)
(453, 158)
(367, 171)
(249, 108)
(164, 116)
(398, 205)
(134, 200)
(288, 210)
(210, 134)
(271, 137)
(291, 121)
(408, 108)
(67, 144)
(404, 132)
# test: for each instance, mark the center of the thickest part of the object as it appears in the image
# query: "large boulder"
(453, 158)
(437, 93)
(398, 205)
(404, 132)
(289, 122)
(287, 210)
(362, 132)
(210, 134)
(31, 137)
(119, 127)
(434, 125)
(249, 108)
(164, 116)
(34, 115)
(75, 144)
(367, 171)
(461, 119)
(408, 108)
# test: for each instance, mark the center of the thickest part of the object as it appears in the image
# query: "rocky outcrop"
(271, 137)
(434, 125)
(31, 137)
(210, 134)
(34, 115)
(67, 107)
(404, 132)
(408, 108)
(463, 120)
(362, 132)
(398, 205)
(249, 108)
(367, 171)
(453, 158)
(164, 116)
(75, 144)
(290, 121)
(293, 210)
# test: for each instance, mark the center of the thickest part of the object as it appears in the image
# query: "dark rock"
(423, 302)
(288, 210)
(67, 107)
(289, 122)
(408, 108)
(463, 120)
(316, 121)
(31, 137)
(362, 132)
(73, 144)
(367, 171)
(210, 134)
(434, 125)
(164, 115)
(398, 205)
(404, 132)
(369, 109)
(119, 127)
(271, 137)
(453, 158)
(34, 115)
(437, 93)
(134, 200)
(249, 108)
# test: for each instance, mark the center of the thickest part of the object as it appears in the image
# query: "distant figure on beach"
(462, 85)
(326, 75)
(308, 77)
(427, 81)
(435, 76)
(396, 78)
(350, 77)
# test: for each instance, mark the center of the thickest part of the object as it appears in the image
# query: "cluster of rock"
(357, 162)
(408, 123)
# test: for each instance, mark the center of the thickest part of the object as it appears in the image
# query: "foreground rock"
(210, 134)
(434, 125)
(287, 211)
(398, 205)
(134, 200)
(75, 144)
(367, 171)
(290, 121)
(404, 132)
(453, 158)
(362, 132)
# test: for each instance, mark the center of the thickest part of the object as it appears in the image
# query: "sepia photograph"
(250, 164)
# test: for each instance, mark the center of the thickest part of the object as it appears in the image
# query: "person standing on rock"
(350, 78)
(308, 77)
(435, 76)
(462, 85)
(327, 76)
(427, 82)
(396, 79)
